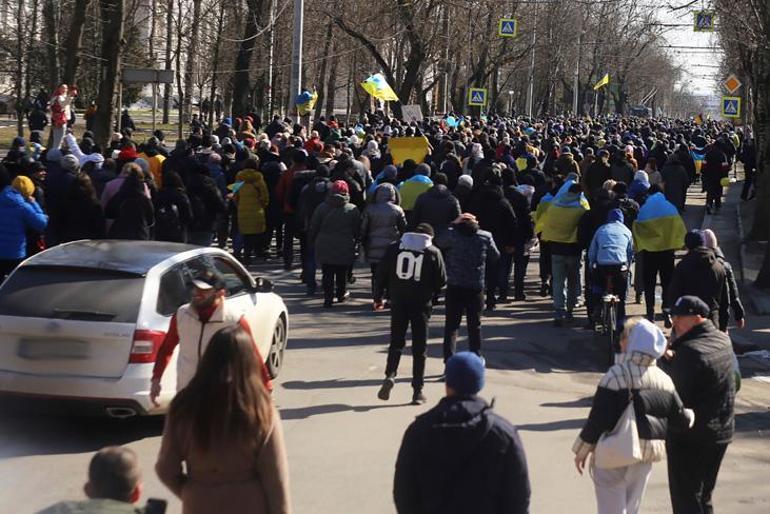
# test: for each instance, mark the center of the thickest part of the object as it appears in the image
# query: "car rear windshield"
(72, 293)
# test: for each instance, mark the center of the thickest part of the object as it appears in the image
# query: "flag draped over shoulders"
(658, 227)
(561, 217)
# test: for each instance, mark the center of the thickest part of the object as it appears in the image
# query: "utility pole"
(531, 89)
(445, 64)
(270, 62)
(296, 53)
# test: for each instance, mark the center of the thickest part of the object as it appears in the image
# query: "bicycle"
(609, 315)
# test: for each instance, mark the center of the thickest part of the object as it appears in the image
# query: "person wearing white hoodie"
(657, 407)
(84, 157)
(413, 272)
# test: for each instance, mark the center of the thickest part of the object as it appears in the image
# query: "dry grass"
(144, 131)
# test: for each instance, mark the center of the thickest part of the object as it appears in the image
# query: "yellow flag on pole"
(378, 87)
(603, 82)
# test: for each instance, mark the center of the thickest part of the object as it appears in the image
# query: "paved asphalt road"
(342, 441)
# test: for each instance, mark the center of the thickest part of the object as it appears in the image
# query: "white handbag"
(620, 447)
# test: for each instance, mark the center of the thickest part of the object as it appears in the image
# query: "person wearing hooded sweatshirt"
(639, 187)
(609, 256)
(251, 200)
(382, 223)
(700, 274)
(154, 159)
(657, 408)
(20, 214)
(463, 191)
(560, 231)
(85, 152)
(736, 306)
(412, 270)
(460, 456)
(471, 250)
(334, 229)
(413, 187)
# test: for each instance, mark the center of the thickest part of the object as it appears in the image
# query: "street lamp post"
(296, 53)
(510, 102)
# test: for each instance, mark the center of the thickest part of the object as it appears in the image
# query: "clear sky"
(700, 66)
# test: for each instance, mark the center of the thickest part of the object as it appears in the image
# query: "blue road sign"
(508, 27)
(477, 97)
(731, 107)
(704, 21)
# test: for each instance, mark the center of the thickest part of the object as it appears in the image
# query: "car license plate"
(53, 349)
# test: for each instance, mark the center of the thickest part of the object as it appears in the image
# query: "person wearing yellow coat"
(251, 197)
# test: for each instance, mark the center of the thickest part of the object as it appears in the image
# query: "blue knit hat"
(465, 373)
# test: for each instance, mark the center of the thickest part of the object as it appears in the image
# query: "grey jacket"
(382, 223)
(468, 255)
(334, 229)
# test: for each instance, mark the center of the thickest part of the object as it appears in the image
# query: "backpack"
(167, 221)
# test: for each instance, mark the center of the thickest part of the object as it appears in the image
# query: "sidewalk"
(753, 342)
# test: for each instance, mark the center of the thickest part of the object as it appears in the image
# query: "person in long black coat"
(173, 198)
(675, 181)
(81, 216)
(131, 210)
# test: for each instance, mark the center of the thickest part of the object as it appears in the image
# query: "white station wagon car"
(81, 323)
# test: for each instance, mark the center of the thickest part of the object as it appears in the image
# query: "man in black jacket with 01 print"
(412, 271)
(460, 457)
(703, 373)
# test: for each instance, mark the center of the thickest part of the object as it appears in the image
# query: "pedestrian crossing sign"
(704, 21)
(731, 107)
(477, 97)
(508, 27)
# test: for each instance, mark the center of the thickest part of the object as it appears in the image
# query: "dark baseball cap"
(209, 279)
(690, 306)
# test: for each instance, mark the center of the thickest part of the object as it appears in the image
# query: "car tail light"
(145, 347)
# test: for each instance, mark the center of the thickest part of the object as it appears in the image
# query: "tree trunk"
(19, 79)
(217, 45)
(322, 72)
(30, 46)
(331, 83)
(74, 41)
(169, 46)
(51, 28)
(112, 47)
(243, 59)
(192, 57)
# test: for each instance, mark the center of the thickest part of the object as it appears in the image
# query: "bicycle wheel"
(613, 312)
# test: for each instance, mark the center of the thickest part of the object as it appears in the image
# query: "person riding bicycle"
(610, 255)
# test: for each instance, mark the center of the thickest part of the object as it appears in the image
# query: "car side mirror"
(263, 285)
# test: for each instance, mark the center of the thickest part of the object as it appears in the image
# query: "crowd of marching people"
(457, 225)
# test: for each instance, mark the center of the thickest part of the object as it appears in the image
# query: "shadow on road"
(332, 408)
(32, 434)
(552, 426)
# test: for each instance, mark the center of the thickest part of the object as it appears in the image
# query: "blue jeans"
(565, 268)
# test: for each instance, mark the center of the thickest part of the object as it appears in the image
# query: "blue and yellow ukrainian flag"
(699, 157)
(378, 87)
(538, 215)
(561, 217)
(658, 227)
(306, 102)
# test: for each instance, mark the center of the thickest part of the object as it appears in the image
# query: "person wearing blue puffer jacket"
(20, 213)
(609, 256)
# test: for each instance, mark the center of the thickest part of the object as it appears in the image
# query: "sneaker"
(344, 298)
(387, 385)
(418, 398)
(638, 298)
(544, 289)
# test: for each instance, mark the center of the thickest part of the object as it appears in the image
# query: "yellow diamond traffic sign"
(732, 84)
